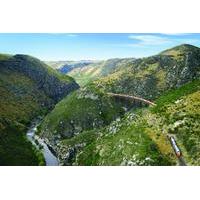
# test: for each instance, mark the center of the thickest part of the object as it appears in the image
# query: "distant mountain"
(28, 88)
(88, 73)
(63, 65)
(69, 66)
(56, 64)
(85, 71)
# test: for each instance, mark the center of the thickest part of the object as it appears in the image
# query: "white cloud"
(72, 35)
(142, 40)
(176, 34)
(65, 34)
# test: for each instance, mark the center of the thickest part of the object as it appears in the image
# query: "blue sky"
(77, 46)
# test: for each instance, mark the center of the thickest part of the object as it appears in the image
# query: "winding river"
(49, 157)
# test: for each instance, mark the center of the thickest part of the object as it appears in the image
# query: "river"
(49, 157)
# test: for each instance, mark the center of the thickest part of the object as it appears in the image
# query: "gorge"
(86, 125)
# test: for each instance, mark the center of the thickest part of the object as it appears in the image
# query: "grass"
(81, 78)
(132, 145)
(17, 111)
(177, 112)
(4, 57)
(123, 142)
(174, 94)
(16, 150)
(20, 99)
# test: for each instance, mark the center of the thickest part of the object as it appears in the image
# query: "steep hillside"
(85, 109)
(28, 89)
(54, 84)
(150, 77)
(138, 137)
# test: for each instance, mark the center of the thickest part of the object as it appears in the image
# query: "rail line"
(129, 97)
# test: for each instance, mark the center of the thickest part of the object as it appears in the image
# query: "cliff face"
(28, 88)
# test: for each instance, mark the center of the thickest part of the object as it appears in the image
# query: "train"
(175, 146)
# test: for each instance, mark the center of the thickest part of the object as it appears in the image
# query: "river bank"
(50, 158)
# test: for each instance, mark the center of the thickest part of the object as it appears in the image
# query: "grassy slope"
(83, 76)
(178, 114)
(20, 102)
(123, 142)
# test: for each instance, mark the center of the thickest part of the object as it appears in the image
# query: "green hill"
(28, 88)
(150, 77)
(138, 137)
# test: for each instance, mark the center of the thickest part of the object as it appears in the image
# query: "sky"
(94, 46)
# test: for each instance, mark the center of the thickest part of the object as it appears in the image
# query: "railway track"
(129, 97)
(182, 161)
